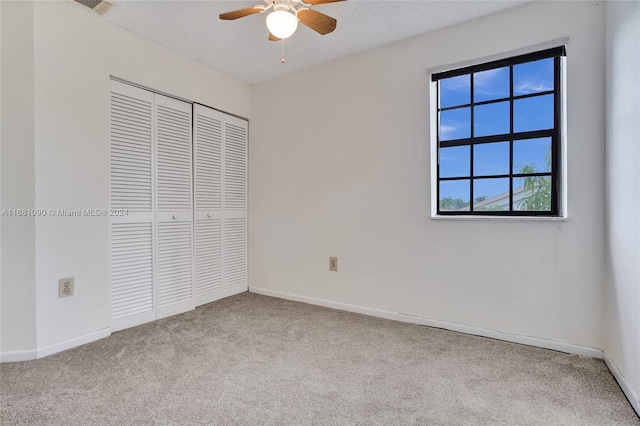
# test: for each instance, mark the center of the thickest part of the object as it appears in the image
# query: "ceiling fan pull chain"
(282, 61)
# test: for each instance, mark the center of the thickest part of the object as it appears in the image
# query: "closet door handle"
(209, 215)
(174, 217)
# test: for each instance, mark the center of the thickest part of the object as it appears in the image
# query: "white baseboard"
(73, 343)
(628, 391)
(17, 356)
(477, 331)
(515, 338)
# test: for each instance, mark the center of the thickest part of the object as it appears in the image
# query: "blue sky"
(529, 114)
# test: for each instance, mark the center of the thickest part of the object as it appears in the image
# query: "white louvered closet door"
(220, 144)
(174, 211)
(208, 129)
(234, 206)
(184, 240)
(131, 182)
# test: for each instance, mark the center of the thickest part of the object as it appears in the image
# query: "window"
(498, 137)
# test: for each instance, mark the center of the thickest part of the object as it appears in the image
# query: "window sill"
(503, 218)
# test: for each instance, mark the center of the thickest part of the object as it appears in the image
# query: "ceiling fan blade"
(316, 2)
(317, 21)
(241, 13)
(273, 38)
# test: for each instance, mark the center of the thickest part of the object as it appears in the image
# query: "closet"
(178, 179)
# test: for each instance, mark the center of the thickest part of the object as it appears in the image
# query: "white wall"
(339, 166)
(75, 55)
(17, 267)
(622, 319)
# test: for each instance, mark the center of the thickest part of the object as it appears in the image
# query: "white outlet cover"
(333, 264)
(65, 287)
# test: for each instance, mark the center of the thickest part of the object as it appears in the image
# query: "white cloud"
(457, 83)
(486, 77)
(446, 131)
(485, 82)
(532, 86)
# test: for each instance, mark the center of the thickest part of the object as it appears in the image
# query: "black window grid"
(511, 137)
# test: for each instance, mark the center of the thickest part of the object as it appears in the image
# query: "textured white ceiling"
(240, 48)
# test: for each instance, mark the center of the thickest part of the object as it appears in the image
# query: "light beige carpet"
(256, 360)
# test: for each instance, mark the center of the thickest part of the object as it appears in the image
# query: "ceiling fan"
(283, 21)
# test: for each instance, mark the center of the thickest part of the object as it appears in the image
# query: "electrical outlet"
(65, 287)
(333, 264)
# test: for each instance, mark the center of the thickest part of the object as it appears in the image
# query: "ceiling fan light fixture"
(282, 23)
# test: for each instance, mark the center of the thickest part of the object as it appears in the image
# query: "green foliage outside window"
(539, 188)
